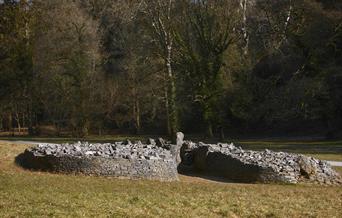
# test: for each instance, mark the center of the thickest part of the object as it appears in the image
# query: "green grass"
(37, 194)
(331, 157)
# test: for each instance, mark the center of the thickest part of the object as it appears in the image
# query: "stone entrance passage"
(240, 165)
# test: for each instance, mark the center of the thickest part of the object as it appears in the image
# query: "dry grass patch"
(332, 157)
(24, 193)
(339, 170)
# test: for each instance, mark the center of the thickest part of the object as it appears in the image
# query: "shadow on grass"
(210, 178)
(20, 161)
(190, 172)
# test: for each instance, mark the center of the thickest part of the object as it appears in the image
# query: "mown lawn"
(36, 194)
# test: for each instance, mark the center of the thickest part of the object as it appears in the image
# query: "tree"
(208, 33)
(160, 14)
(16, 75)
(66, 55)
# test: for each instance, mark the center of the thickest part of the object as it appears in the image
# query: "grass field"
(37, 194)
(339, 170)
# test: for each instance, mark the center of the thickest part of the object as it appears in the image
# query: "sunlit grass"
(339, 170)
(36, 194)
(331, 157)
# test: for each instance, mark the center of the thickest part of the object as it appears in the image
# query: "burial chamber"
(161, 160)
(237, 164)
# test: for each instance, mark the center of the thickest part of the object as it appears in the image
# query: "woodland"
(209, 67)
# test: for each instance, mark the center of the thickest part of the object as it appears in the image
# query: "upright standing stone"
(179, 144)
(180, 138)
(175, 149)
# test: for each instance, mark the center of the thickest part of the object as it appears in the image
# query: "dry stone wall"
(257, 166)
(160, 160)
(121, 159)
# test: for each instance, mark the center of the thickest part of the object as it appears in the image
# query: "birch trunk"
(17, 119)
(243, 6)
(286, 24)
(161, 22)
(136, 112)
(168, 121)
(172, 91)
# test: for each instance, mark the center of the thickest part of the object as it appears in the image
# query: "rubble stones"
(151, 141)
(120, 159)
(257, 166)
(159, 159)
(161, 143)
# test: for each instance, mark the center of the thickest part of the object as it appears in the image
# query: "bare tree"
(66, 55)
(204, 37)
(243, 9)
(160, 14)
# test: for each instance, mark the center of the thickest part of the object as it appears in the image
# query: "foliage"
(218, 67)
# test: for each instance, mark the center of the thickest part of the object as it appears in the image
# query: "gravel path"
(335, 163)
(21, 142)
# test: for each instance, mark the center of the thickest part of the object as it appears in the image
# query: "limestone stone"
(160, 160)
(120, 159)
(256, 166)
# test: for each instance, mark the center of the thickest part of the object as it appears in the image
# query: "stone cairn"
(257, 166)
(160, 160)
(152, 160)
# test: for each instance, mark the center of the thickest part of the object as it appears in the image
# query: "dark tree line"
(159, 66)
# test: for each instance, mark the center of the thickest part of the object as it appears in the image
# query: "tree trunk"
(58, 128)
(168, 121)
(210, 129)
(222, 136)
(286, 24)
(207, 119)
(30, 118)
(136, 113)
(17, 119)
(172, 90)
(243, 5)
(10, 123)
(1, 123)
(100, 131)
(161, 22)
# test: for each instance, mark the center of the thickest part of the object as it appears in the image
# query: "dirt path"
(24, 142)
